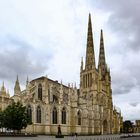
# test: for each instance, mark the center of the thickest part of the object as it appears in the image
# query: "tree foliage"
(14, 117)
(1, 119)
(127, 126)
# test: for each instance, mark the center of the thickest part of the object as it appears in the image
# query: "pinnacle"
(17, 85)
(3, 87)
(17, 77)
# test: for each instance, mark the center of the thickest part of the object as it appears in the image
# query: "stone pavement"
(103, 137)
(107, 137)
(133, 138)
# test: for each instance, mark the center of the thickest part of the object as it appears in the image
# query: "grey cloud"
(15, 59)
(124, 21)
(128, 77)
(124, 83)
(122, 86)
(134, 104)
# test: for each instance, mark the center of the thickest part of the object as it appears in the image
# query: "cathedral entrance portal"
(105, 127)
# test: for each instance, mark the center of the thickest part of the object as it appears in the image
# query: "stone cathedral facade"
(85, 111)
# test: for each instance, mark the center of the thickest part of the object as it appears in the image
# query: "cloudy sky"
(48, 37)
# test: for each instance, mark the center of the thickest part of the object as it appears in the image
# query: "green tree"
(127, 126)
(15, 117)
(1, 119)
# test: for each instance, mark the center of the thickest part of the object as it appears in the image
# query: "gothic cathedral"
(86, 111)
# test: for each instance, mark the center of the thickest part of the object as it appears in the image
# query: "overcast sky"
(48, 37)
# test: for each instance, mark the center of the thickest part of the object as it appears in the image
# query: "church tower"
(89, 84)
(104, 89)
(86, 73)
(95, 87)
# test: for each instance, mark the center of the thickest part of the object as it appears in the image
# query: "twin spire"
(90, 56)
(17, 87)
(102, 51)
(3, 91)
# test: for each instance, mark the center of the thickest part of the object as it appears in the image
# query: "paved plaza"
(133, 138)
(65, 138)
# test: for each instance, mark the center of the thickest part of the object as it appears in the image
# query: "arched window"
(79, 117)
(63, 116)
(105, 127)
(29, 112)
(38, 115)
(54, 116)
(40, 92)
(55, 99)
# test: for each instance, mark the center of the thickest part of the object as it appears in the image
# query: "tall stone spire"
(90, 58)
(3, 90)
(27, 81)
(3, 87)
(17, 87)
(102, 61)
(81, 63)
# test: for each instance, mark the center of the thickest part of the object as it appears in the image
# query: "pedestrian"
(59, 130)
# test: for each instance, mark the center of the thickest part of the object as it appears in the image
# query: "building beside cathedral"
(137, 126)
(87, 110)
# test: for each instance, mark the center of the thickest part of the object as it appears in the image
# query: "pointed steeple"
(17, 87)
(90, 57)
(8, 94)
(75, 86)
(102, 52)
(27, 81)
(102, 61)
(81, 63)
(17, 81)
(3, 90)
(3, 87)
